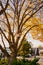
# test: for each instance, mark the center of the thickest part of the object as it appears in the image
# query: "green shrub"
(34, 62)
(20, 62)
(3, 62)
(25, 62)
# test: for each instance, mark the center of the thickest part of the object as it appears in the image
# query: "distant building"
(35, 51)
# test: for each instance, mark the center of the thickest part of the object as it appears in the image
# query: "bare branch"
(4, 51)
(3, 22)
(1, 12)
(24, 14)
(31, 15)
(3, 41)
(11, 17)
(4, 35)
(21, 7)
(26, 28)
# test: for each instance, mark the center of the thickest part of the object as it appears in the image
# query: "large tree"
(12, 23)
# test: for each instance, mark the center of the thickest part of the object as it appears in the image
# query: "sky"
(35, 43)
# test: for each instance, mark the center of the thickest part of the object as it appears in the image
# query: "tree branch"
(25, 35)
(4, 51)
(1, 12)
(3, 41)
(31, 15)
(4, 35)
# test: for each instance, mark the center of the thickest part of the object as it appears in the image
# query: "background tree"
(25, 48)
(12, 26)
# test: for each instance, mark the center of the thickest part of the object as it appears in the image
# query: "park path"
(41, 60)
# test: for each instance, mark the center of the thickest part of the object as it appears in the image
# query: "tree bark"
(11, 59)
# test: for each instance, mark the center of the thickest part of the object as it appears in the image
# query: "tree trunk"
(10, 60)
(13, 57)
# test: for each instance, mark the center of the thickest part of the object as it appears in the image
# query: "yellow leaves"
(41, 25)
(33, 21)
(36, 30)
